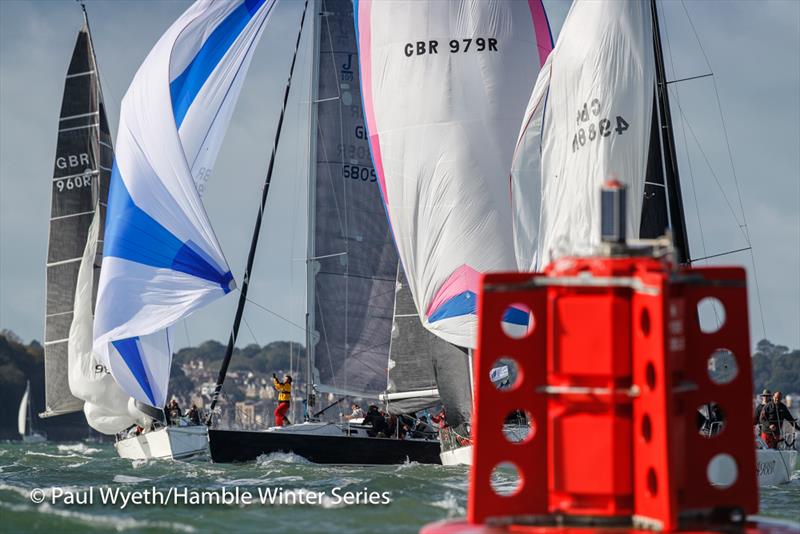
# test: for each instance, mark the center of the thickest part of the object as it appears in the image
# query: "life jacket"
(284, 390)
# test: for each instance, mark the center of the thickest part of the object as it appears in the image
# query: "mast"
(311, 263)
(256, 231)
(676, 212)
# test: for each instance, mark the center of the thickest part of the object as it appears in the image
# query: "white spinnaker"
(444, 87)
(105, 404)
(588, 121)
(22, 416)
(162, 260)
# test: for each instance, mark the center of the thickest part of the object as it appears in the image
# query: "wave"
(80, 448)
(449, 503)
(127, 479)
(283, 457)
(48, 455)
(116, 522)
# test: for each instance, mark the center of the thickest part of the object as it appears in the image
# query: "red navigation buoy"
(610, 373)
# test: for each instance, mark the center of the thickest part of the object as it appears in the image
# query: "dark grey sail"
(81, 173)
(424, 370)
(352, 256)
(655, 215)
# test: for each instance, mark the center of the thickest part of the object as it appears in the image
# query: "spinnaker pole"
(256, 231)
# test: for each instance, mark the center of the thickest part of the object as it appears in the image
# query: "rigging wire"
(276, 314)
(733, 169)
(676, 94)
(251, 331)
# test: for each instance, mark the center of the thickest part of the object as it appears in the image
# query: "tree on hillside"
(776, 368)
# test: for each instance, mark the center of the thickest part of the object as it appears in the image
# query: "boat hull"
(457, 456)
(775, 467)
(171, 443)
(228, 446)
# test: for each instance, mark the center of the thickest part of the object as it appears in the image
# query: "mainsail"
(352, 258)
(162, 260)
(80, 183)
(445, 85)
(600, 76)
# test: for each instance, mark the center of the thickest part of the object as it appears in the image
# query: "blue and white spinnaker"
(161, 259)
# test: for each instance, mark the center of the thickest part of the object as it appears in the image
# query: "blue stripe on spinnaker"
(133, 235)
(187, 85)
(129, 350)
(464, 304)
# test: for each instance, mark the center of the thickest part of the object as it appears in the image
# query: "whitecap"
(80, 448)
(284, 457)
(450, 503)
(48, 455)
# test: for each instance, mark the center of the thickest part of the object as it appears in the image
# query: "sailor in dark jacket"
(783, 412)
(377, 421)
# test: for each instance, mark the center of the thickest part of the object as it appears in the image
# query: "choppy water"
(419, 493)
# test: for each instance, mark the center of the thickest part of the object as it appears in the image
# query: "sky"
(741, 183)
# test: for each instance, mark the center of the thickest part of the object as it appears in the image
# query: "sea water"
(85, 487)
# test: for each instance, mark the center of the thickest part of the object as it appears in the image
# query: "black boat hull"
(241, 446)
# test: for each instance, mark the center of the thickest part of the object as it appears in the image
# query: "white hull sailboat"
(168, 443)
(25, 419)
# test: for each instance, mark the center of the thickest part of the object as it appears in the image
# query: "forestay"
(162, 260)
(81, 174)
(588, 121)
(445, 86)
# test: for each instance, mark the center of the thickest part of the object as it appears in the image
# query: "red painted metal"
(611, 374)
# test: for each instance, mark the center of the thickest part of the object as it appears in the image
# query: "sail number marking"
(603, 127)
(454, 46)
(68, 184)
(358, 172)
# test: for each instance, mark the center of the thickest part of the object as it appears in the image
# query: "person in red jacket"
(284, 390)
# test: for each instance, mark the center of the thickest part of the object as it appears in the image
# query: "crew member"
(783, 412)
(765, 396)
(379, 427)
(284, 390)
(768, 422)
(194, 415)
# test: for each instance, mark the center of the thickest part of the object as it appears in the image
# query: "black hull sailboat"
(352, 266)
(246, 446)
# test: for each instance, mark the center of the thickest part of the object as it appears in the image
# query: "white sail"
(444, 87)
(161, 258)
(105, 404)
(588, 121)
(22, 417)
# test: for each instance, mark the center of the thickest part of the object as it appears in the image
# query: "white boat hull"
(775, 467)
(171, 443)
(459, 456)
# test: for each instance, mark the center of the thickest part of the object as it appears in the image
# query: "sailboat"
(443, 112)
(607, 84)
(25, 419)
(352, 266)
(161, 260)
